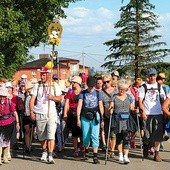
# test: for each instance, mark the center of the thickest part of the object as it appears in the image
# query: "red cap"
(43, 70)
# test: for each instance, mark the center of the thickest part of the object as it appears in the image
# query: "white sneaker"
(51, 160)
(126, 160)
(44, 156)
(121, 160)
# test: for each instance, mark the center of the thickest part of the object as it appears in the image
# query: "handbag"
(124, 116)
(89, 115)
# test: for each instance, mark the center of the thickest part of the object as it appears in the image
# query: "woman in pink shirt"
(7, 111)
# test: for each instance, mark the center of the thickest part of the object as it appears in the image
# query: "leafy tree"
(135, 47)
(23, 24)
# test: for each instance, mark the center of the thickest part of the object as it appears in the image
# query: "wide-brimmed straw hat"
(28, 85)
(77, 79)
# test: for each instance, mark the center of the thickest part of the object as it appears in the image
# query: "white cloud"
(84, 21)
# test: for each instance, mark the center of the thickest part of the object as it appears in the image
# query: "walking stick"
(51, 68)
(108, 139)
(140, 137)
(31, 136)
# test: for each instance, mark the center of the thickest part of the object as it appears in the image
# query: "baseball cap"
(115, 73)
(151, 71)
(28, 85)
(55, 76)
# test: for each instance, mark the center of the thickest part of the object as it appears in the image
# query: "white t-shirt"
(42, 103)
(151, 103)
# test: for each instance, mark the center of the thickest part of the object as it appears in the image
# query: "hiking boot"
(96, 161)
(145, 151)
(157, 158)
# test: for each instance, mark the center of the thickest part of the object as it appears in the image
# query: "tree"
(135, 47)
(23, 24)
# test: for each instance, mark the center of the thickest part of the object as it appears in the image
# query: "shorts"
(72, 125)
(46, 127)
(153, 129)
(27, 121)
(106, 129)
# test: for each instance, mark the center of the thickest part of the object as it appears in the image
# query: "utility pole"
(83, 57)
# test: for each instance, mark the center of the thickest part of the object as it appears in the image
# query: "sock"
(44, 150)
(50, 154)
(95, 154)
(156, 152)
(87, 150)
(120, 154)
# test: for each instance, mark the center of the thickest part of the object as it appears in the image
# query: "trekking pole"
(140, 137)
(31, 136)
(108, 139)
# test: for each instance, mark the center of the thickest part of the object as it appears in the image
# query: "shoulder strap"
(9, 103)
(129, 97)
(52, 85)
(159, 89)
(106, 93)
(145, 88)
(97, 93)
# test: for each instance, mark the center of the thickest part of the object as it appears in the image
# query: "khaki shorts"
(46, 127)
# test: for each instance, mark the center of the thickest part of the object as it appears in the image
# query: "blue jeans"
(91, 131)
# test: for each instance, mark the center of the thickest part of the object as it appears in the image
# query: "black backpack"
(158, 88)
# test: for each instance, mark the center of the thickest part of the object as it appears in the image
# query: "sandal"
(111, 154)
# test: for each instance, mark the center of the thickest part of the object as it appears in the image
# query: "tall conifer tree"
(135, 45)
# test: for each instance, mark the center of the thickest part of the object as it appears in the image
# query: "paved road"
(65, 161)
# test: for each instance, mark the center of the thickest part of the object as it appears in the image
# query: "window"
(74, 69)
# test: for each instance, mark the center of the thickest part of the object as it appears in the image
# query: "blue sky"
(90, 23)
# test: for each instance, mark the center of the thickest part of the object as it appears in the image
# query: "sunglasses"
(104, 82)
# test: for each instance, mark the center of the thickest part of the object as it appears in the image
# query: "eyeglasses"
(104, 82)
(122, 89)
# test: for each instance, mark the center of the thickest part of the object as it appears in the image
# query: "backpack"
(146, 89)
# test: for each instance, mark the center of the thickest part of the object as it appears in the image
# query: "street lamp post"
(83, 56)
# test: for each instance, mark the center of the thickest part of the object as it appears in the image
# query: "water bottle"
(17, 135)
